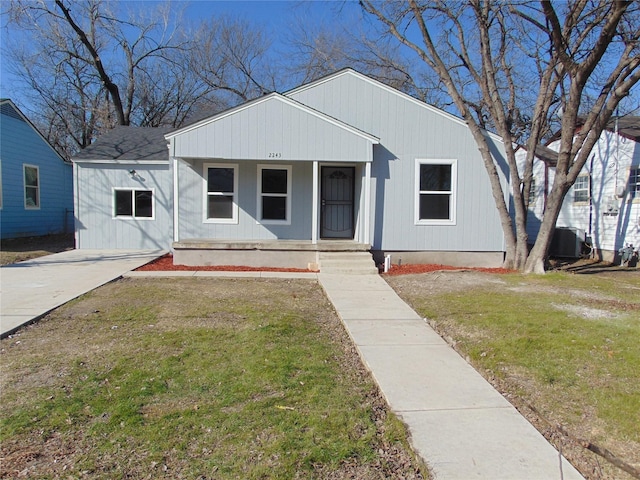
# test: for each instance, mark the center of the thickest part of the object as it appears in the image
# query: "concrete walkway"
(30, 289)
(460, 425)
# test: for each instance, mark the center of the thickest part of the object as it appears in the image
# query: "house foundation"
(263, 253)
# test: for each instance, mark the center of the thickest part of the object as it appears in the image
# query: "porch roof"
(273, 128)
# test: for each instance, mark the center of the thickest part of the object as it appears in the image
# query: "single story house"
(36, 182)
(603, 206)
(342, 163)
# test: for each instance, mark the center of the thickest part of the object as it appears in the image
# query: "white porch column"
(176, 213)
(314, 205)
(367, 203)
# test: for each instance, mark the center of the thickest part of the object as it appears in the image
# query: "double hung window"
(274, 194)
(581, 189)
(221, 190)
(634, 182)
(31, 187)
(435, 192)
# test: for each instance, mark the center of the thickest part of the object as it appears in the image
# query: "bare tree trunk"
(111, 87)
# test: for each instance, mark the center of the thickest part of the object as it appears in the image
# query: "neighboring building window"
(31, 187)
(132, 203)
(532, 192)
(581, 189)
(221, 190)
(634, 182)
(274, 194)
(436, 191)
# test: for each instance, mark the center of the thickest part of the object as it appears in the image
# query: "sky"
(276, 16)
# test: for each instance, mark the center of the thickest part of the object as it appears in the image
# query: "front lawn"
(195, 379)
(567, 345)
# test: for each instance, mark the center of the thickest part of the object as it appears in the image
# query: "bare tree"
(229, 55)
(322, 48)
(582, 52)
(92, 65)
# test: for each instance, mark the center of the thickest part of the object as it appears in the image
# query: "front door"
(337, 186)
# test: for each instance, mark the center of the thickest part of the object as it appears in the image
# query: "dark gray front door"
(337, 185)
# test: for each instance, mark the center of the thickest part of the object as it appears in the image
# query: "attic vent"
(8, 110)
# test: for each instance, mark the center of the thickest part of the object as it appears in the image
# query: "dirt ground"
(20, 249)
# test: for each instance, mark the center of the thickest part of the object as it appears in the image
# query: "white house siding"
(615, 217)
(410, 130)
(191, 204)
(96, 226)
(612, 220)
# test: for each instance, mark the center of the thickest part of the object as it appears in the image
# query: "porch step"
(351, 263)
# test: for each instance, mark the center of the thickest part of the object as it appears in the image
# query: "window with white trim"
(31, 187)
(634, 182)
(435, 192)
(132, 203)
(274, 194)
(581, 189)
(221, 193)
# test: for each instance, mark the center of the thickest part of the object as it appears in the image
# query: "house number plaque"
(274, 155)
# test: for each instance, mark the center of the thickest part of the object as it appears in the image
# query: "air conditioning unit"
(567, 242)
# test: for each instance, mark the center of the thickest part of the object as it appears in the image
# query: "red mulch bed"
(426, 268)
(165, 263)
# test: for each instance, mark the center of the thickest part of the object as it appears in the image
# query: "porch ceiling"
(273, 128)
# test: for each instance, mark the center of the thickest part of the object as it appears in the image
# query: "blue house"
(36, 183)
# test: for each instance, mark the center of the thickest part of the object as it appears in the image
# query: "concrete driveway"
(30, 289)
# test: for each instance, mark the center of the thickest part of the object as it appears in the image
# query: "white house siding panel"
(272, 130)
(410, 131)
(95, 223)
(615, 215)
(613, 157)
(191, 205)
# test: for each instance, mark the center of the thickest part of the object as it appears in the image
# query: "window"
(31, 187)
(634, 182)
(131, 203)
(435, 186)
(581, 189)
(274, 189)
(221, 187)
(532, 192)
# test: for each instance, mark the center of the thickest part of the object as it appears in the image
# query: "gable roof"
(628, 126)
(366, 78)
(127, 144)
(270, 97)
(273, 127)
(9, 109)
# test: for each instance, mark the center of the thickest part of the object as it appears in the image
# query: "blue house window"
(31, 187)
(220, 196)
(132, 203)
